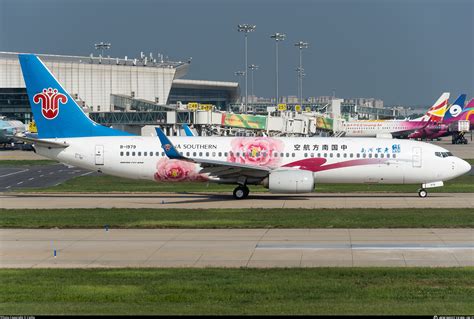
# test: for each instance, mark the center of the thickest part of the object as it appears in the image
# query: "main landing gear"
(241, 192)
(422, 193)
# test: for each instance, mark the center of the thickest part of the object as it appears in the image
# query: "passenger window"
(121, 153)
(128, 153)
(237, 154)
(139, 153)
(133, 153)
(381, 155)
(312, 154)
(194, 154)
(213, 154)
(200, 154)
(220, 154)
(207, 154)
(330, 154)
(276, 154)
(338, 155)
(162, 153)
(370, 155)
(376, 155)
(292, 154)
(325, 155)
(157, 153)
(225, 154)
(305, 154)
(394, 155)
(351, 155)
(345, 155)
(388, 155)
(364, 155)
(145, 153)
(287, 154)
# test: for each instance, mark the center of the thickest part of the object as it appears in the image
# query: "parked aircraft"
(396, 128)
(443, 128)
(8, 128)
(283, 165)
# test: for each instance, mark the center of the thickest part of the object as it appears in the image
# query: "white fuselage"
(332, 160)
(377, 127)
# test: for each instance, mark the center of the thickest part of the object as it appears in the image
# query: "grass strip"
(238, 218)
(217, 291)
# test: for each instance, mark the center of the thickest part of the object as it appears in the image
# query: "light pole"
(239, 74)
(278, 37)
(246, 28)
(102, 46)
(253, 67)
(301, 45)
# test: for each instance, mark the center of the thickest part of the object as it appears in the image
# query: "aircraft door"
(99, 155)
(417, 157)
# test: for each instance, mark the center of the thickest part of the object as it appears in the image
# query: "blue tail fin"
(56, 114)
(187, 130)
(455, 109)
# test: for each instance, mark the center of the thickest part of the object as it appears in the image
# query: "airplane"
(396, 128)
(8, 128)
(283, 164)
(456, 112)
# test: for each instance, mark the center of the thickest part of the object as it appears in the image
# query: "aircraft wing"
(212, 167)
(40, 142)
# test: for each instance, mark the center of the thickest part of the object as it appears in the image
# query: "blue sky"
(402, 51)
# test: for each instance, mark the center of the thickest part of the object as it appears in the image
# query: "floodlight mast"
(253, 68)
(246, 28)
(278, 37)
(301, 45)
(102, 46)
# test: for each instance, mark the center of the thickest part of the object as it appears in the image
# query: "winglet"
(167, 146)
(187, 130)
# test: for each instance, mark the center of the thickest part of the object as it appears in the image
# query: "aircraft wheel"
(241, 192)
(422, 193)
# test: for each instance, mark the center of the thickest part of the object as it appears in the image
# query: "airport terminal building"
(100, 84)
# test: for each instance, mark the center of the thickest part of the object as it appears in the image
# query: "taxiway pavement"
(223, 200)
(91, 248)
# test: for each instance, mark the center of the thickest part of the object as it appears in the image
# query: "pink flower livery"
(255, 151)
(176, 171)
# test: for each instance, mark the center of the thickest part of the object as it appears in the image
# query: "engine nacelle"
(290, 181)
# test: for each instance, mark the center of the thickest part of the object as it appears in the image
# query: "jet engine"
(290, 181)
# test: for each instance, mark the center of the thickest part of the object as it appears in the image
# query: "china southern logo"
(50, 99)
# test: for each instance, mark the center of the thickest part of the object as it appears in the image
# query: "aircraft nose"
(464, 167)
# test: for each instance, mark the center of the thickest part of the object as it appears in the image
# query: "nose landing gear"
(241, 192)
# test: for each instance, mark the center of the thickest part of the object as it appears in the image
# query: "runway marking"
(87, 173)
(30, 179)
(51, 173)
(41, 175)
(25, 170)
(7, 187)
(19, 183)
(365, 246)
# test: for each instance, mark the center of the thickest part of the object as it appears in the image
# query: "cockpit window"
(443, 154)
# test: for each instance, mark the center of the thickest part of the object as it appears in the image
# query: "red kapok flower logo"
(50, 99)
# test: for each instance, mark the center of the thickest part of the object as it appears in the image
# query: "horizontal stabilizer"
(40, 142)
